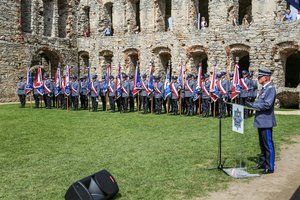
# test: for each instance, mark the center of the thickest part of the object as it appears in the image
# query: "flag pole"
(138, 102)
(180, 109)
(152, 103)
(106, 98)
(214, 109)
(199, 108)
(67, 103)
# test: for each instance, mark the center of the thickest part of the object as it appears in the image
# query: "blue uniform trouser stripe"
(270, 148)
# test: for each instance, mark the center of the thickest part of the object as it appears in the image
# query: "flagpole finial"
(237, 59)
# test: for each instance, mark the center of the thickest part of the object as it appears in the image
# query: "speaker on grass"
(99, 186)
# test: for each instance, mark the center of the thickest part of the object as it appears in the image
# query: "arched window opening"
(163, 16)
(26, 15)
(109, 16)
(62, 17)
(84, 62)
(292, 75)
(203, 13)
(244, 63)
(133, 16)
(245, 12)
(48, 17)
(164, 59)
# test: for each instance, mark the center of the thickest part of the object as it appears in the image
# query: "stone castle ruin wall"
(53, 32)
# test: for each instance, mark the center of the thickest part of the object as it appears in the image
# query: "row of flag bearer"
(183, 94)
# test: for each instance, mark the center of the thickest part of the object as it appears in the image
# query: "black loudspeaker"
(99, 186)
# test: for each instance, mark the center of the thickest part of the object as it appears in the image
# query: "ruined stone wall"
(76, 37)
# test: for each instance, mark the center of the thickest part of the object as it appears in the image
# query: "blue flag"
(29, 83)
(167, 84)
(151, 82)
(88, 86)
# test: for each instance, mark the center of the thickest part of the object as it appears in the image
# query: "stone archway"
(161, 60)
(292, 70)
(285, 54)
(49, 59)
(83, 61)
(105, 59)
(240, 53)
(197, 55)
(131, 57)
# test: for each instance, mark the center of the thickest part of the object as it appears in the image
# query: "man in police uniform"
(103, 92)
(112, 94)
(21, 85)
(265, 120)
(75, 87)
(144, 94)
(244, 90)
(125, 93)
(189, 93)
(158, 94)
(205, 95)
(95, 90)
(48, 87)
(131, 97)
(175, 87)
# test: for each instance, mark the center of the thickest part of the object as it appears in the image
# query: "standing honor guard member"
(48, 87)
(265, 120)
(223, 86)
(131, 97)
(103, 93)
(205, 95)
(112, 94)
(75, 88)
(95, 90)
(144, 94)
(175, 87)
(189, 94)
(245, 82)
(125, 93)
(21, 91)
(83, 93)
(158, 94)
(229, 106)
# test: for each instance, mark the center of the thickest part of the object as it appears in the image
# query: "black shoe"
(267, 171)
(259, 167)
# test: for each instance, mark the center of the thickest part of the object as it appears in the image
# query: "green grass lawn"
(152, 157)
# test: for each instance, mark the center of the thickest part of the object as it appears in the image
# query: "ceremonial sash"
(189, 88)
(205, 90)
(156, 89)
(144, 87)
(174, 91)
(123, 89)
(243, 84)
(74, 90)
(94, 89)
(48, 91)
(221, 89)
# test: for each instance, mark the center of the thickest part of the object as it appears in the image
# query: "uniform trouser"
(81, 101)
(196, 104)
(125, 104)
(103, 100)
(158, 103)
(243, 102)
(94, 104)
(131, 103)
(22, 98)
(119, 103)
(183, 105)
(85, 102)
(144, 101)
(75, 102)
(53, 100)
(267, 150)
(63, 101)
(175, 106)
(205, 107)
(222, 107)
(229, 107)
(214, 108)
(48, 100)
(36, 98)
(189, 102)
(112, 103)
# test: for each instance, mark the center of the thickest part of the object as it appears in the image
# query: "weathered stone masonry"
(71, 32)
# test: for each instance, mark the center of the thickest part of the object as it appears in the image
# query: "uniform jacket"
(264, 105)
(243, 92)
(113, 87)
(126, 87)
(160, 87)
(143, 92)
(83, 85)
(96, 85)
(75, 89)
(206, 84)
(192, 85)
(21, 88)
